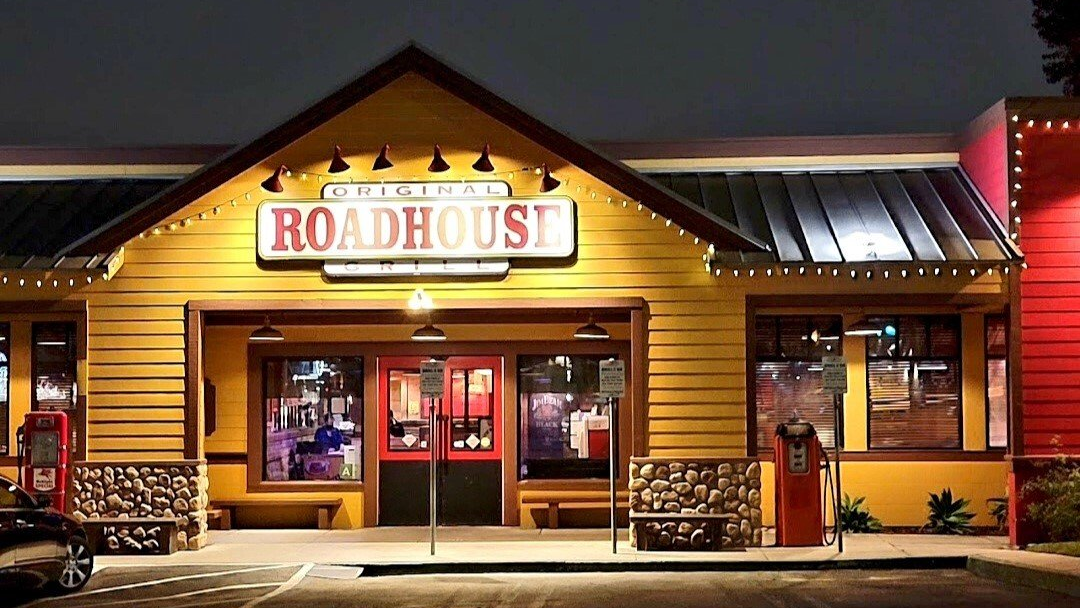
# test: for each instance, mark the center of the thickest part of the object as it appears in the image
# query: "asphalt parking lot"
(281, 586)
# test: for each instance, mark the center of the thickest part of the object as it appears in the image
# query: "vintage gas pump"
(44, 455)
(799, 504)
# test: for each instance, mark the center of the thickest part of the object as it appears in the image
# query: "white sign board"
(834, 375)
(44, 480)
(612, 378)
(432, 379)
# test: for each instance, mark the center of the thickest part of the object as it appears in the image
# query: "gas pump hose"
(832, 494)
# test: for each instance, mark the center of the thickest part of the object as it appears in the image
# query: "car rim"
(76, 566)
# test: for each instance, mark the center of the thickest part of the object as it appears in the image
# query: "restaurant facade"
(247, 327)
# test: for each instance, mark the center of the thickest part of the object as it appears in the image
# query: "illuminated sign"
(416, 228)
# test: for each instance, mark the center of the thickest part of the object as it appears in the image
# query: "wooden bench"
(555, 504)
(165, 536)
(639, 521)
(324, 507)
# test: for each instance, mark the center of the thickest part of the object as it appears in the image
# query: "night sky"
(135, 73)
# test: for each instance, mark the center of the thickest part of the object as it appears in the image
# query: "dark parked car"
(40, 546)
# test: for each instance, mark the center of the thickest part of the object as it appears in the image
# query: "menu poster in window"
(546, 414)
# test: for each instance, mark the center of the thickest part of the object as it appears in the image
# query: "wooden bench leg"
(225, 521)
(324, 518)
(553, 515)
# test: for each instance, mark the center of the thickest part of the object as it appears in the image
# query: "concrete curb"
(890, 563)
(1010, 571)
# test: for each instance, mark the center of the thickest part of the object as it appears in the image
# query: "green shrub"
(999, 510)
(1054, 500)
(855, 518)
(948, 516)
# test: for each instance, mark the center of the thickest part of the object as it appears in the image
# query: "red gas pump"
(43, 456)
(798, 485)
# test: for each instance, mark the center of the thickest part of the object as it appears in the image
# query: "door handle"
(21, 523)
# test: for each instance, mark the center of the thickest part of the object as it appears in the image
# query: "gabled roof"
(693, 218)
(43, 217)
(879, 216)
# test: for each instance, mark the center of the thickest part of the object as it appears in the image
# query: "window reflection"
(564, 423)
(314, 413)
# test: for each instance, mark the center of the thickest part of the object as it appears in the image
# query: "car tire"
(78, 566)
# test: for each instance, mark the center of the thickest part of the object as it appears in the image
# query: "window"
(787, 370)
(997, 382)
(564, 423)
(913, 378)
(314, 415)
(5, 375)
(54, 366)
(12, 497)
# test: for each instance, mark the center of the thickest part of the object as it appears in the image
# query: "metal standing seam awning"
(42, 217)
(870, 217)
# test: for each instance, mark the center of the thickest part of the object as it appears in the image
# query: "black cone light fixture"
(266, 333)
(382, 161)
(338, 164)
(429, 333)
(483, 164)
(438, 163)
(548, 183)
(273, 183)
(591, 331)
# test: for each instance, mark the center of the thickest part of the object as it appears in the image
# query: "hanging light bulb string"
(1032, 126)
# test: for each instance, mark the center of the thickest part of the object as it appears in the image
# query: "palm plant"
(948, 516)
(855, 518)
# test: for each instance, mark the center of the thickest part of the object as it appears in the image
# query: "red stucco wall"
(985, 158)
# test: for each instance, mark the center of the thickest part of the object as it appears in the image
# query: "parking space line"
(176, 596)
(186, 577)
(289, 584)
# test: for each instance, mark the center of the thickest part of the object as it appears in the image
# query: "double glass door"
(467, 437)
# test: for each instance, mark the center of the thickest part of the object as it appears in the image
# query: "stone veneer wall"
(172, 489)
(696, 485)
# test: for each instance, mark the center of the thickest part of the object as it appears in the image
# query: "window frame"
(1004, 316)
(255, 457)
(754, 359)
(600, 353)
(35, 406)
(959, 360)
(266, 361)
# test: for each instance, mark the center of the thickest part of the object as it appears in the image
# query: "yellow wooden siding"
(696, 335)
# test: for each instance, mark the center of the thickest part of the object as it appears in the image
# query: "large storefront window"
(314, 412)
(54, 366)
(564, 423)
(913, 377)
(5, 375)
(787, 371)
(997, 382)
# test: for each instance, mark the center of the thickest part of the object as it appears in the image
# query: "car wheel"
(78, 566)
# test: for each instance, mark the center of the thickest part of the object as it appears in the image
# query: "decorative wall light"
(438, 163)
(266, 333)
(382, 161)
(273, 183)
(548, 183)
(338, 164)
(483, 164)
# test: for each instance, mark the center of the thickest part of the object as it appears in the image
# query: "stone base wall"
(176, 489)
(696, 485)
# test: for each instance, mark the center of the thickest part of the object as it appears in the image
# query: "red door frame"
(493, 362)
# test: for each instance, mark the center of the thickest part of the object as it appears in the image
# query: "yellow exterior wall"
(696, 342)
(897, 492)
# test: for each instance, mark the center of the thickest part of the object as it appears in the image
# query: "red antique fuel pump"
(44, 455)
(799, 460)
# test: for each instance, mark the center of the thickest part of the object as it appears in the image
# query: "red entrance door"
(469, 442)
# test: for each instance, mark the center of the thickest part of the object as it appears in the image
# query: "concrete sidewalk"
(406, 550)
(1060, 573)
